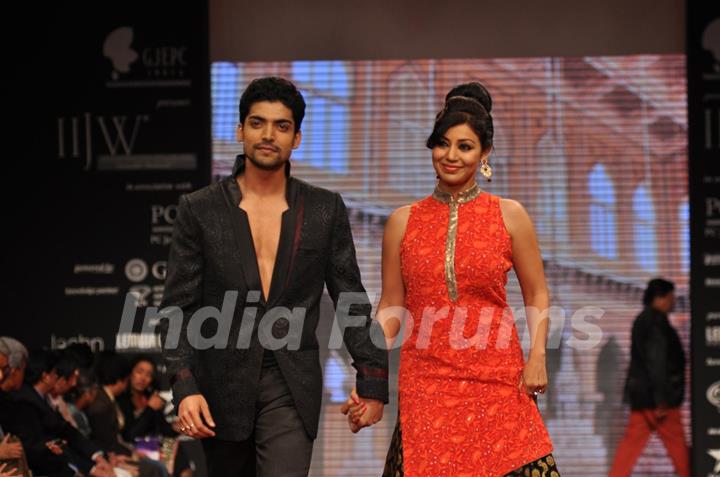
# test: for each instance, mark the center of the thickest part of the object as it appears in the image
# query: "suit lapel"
(287, 246)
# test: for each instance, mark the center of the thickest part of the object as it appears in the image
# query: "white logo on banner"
(713, 394)
(715, 454)
(712, 335)
(117, 48)
(159, 270)
(142, 294)
(136, 270)
(711, 259)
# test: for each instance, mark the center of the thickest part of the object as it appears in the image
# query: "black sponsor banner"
(703, 61)
(114, 101)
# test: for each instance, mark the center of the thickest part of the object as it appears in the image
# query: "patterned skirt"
(543, 467)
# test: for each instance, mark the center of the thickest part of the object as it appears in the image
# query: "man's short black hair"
(67, 364)
(112, 367)
(655, 288)
(273, 88)
(40, 361)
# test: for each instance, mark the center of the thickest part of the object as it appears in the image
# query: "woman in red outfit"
(466, 394)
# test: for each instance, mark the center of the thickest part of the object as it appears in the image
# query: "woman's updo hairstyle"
(467, 103)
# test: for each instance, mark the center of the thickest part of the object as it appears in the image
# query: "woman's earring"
(486, 170)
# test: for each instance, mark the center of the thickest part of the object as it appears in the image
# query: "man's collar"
(109, 393)
(239, 168)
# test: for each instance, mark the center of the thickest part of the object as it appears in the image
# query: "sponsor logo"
(138, 66)
(162, 220)
(138, 341)
(712, 335)
(711, 259)
(136, 270)
(712, 207)
(715, 454)
(117, 48)
(147, 295)
(96, 343)
(159, 270)
(713, 394)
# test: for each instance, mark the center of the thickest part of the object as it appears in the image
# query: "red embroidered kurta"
(461, 411)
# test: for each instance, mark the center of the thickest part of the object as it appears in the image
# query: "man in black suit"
(272, 242)
(655, 385)
(52, 445)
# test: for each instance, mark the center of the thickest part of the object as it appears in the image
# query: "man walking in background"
(655, 384)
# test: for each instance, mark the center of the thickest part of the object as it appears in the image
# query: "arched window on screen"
(225, 97)
(644, 236)
(683, 215)
(410, 113)
(327, 88)
(603, 215)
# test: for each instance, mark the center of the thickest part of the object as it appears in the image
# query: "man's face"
(13, 381)
(268, 135)
(63, 385)
(4, 369)
(665, 303)
(50, 379)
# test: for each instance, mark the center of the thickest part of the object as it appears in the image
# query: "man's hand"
(195, 418)
(102, 468)
(10, 450)
(54, 447)
(362, 412)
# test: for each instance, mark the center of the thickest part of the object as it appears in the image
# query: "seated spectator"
(67, 369)
(12, 457)
(43, 428)
(141, 405)
(80, 398)
(24, 413)
(143, 410)
(106, 418)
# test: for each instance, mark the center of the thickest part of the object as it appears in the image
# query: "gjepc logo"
(117, 48)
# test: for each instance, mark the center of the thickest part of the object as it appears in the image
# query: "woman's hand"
(354, 409)
(534, 376)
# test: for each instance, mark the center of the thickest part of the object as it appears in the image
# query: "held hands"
(361, 412)
(195, 418)
(533, 380)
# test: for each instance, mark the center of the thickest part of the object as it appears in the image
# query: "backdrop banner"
(120, 109)
(703, 60)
